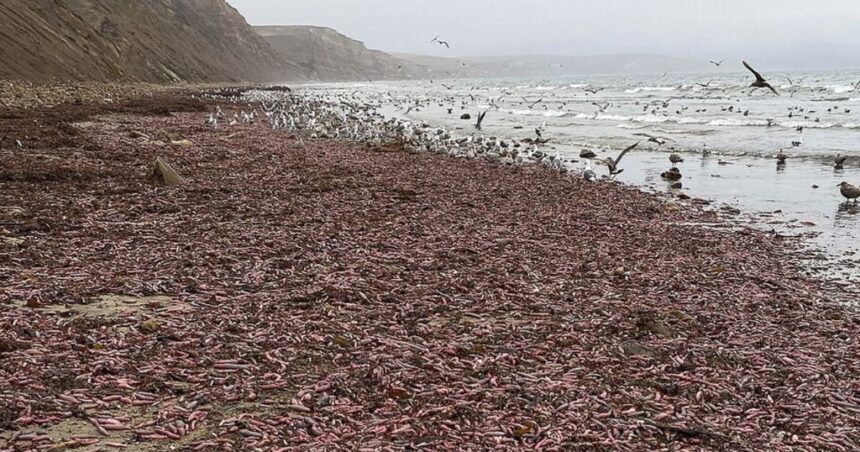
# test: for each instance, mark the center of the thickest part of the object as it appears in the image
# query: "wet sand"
(340, 296)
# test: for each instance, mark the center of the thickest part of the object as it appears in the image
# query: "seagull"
(589, 174)
(839, 161)
(653, 139)
(675, 159)
(674, 174)
(849, 191)
(717, 63)
(705, 85)
(437, 41)
(602, 108)
(759, 82)
(481, 119)
(613, 164)
(19, 145)
(781, 157)
(532, 105)
(594, 90)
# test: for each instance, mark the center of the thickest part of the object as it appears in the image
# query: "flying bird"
(481, 119)
(602, 108)
(653, 139)
(759, 82)
(594, 90)
(717, 63)
(532, 105)
(613, 164)
(436, 40)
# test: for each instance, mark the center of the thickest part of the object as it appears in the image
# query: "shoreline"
(332, 294)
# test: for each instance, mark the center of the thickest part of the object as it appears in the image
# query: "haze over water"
(741, 130)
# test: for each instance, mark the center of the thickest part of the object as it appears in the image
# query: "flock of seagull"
(348, 116)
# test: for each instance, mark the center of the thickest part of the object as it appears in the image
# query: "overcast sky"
(789, 33)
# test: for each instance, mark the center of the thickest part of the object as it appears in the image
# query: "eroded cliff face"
(148, 40)
(323, 54)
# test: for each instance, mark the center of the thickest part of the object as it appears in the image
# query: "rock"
(671, 207)
(683, 196)
(677, 186)
(466, 116)
(135, 134)
(618, 271)
(162, 172)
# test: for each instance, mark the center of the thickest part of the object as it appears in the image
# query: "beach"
(299, 293)
(727, 135)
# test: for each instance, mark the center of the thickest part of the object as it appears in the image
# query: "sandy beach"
(310, 294)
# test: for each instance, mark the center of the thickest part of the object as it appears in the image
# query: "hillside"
(323, 54)
(156, 41)
(549, 65)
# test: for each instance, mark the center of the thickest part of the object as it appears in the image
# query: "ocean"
(727, 134)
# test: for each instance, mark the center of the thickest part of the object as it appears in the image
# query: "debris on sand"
(163, 173)
(332, 297)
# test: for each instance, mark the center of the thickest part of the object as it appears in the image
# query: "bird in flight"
(613, 164)
(759, 82)
(653, 139)
(717, 63)
(602, 108)
(532, 104)
(481, 119)
(436, 40)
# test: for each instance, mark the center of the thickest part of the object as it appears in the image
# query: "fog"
(780, 33)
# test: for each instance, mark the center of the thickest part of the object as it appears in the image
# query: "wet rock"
(466, 116)
(677, 186)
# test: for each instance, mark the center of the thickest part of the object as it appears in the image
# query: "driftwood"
(163, 173)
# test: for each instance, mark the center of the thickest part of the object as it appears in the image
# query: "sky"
(786, 33)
